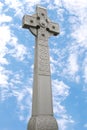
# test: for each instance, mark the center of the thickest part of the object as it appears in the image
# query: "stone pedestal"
(42, 123)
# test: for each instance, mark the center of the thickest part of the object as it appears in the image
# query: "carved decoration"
(43, 60)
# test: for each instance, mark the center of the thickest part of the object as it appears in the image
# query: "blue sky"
(68, 60)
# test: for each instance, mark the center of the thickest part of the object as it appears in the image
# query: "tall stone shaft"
(42, 107)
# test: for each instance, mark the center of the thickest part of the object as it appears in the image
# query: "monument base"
(42, 123)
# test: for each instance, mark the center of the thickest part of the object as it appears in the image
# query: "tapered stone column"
(42, 107)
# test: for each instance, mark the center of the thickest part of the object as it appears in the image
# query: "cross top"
(39, 22)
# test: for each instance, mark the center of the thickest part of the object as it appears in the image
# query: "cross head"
(39, 24)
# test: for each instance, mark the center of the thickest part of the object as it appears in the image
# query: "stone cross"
(42, 108)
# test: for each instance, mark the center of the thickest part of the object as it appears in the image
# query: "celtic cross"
(42, 108)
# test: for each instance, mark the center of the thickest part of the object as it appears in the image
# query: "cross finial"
(39, 21)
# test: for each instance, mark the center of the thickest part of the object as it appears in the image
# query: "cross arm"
(53, 28)
(41, 12)
(29, 21)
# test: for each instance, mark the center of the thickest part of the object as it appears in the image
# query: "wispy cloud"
(64, 123)
(85, 70)
(73, 66)
(4, 77)
(85, 125)
(1, 6)
(60, 88)
(68, 61)
(60, 93)
(5, 18)
(11, 49)
(16, 6)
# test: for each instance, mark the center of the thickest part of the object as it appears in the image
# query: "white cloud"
(19, 95)
(7, 38)
(53, 68)
(63, 118)
(3, 60)
(4, 39)
(74, 6)
(16, 5)
(60, 93)
(4, 83)
(1, 6)
(10, 46)
(52, 65)
(24, 103)
(16, 80)
(21, 117)
(6, 35)
(5, 18)
(4, 77)
(72, 64)
(21, 7)
(77, 78)
(76, 13)
(58, 2)
(85, 88)
(85, 70)
(63, 123)
(85, 73)
(65, 64)
(60, 88)
(33, 1)
(18, 52)
(59, 109)
(85, 125)
(77, 18)
(80, 34)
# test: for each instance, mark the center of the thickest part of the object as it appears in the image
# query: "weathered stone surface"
(42, 123)
(42, 107)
